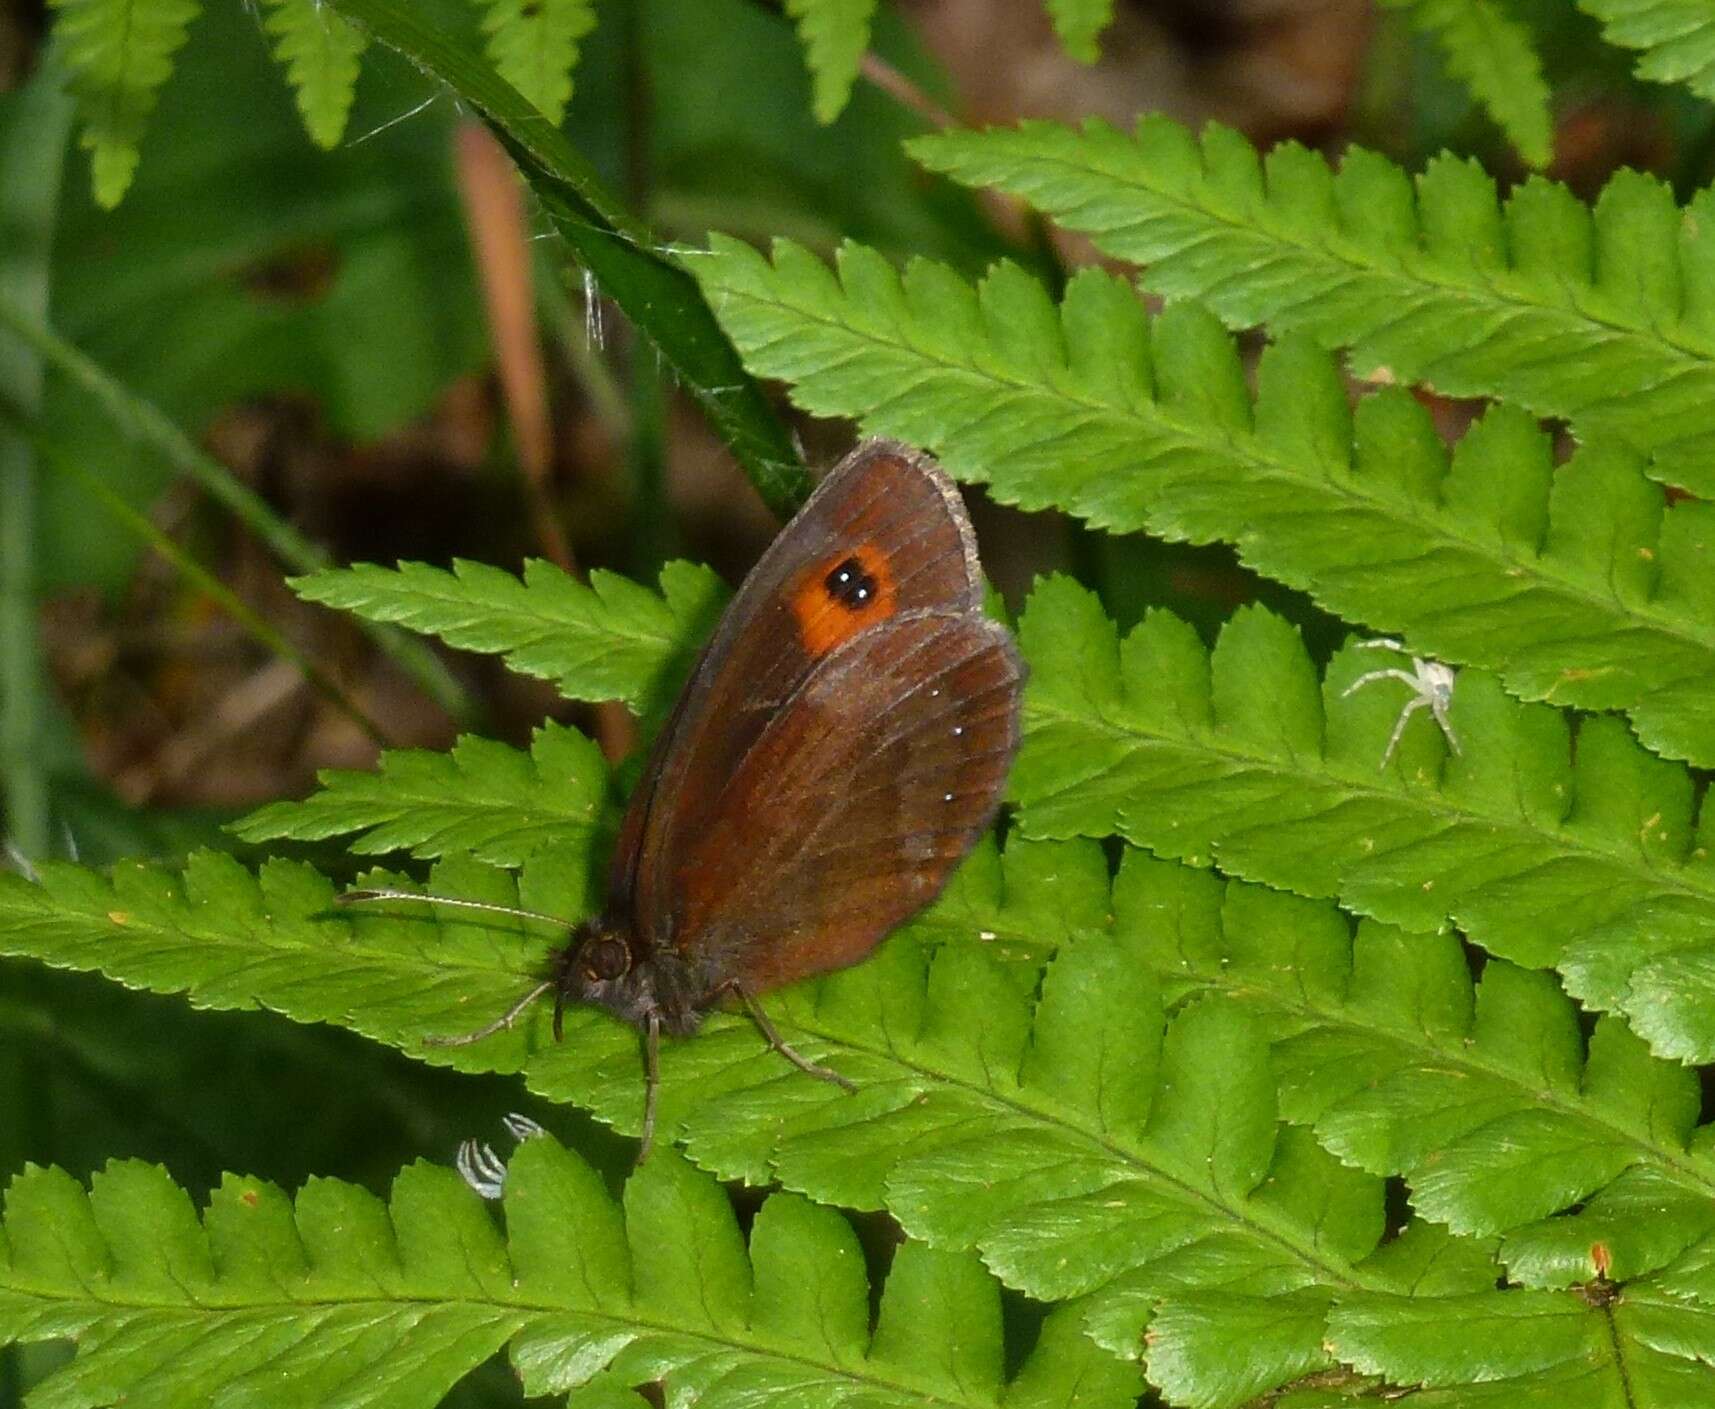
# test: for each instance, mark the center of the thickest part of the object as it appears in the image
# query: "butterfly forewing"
(884, 535)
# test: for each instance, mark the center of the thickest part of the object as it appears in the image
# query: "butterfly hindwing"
(853, 807)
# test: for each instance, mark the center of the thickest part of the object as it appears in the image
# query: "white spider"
(1431, 688)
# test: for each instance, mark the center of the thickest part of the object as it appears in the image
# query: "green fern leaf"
(835, 35)
(117, 54)
(1078, 1155)
(533, 45)
(483, 798)
(610, 640)
(230, 939)
(1086, 1152)
(170, 1312)
(1079, 1142)
(1575, 584)
(337, 1299)
(1604, 317)
(320, 49)
(1491, 53)
(1676, 38)
(1598, 1351)
(1079, 23)
(1588, 862)
(1638, 1223)
(1483, 1096)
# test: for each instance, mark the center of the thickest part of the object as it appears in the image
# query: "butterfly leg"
(651, 1082)
(505, 1020)
(773, 1038)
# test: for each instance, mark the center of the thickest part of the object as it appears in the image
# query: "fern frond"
(1492, 54)
(168, 1311)
(117, 54)
(1486, 1097)
(1588, 861)
(337, 1299)
(482, 797)
(533, 45)
(1575, 584)
(1085, 1147)
(1086, 1150)
(1604, 317)
(1675, 38)
(1599, 1349)
(835, 35)
(610, 640)
(230, 939)
(1079, 23)
(1080, 1142)
(1027, 1146)
(320, 49)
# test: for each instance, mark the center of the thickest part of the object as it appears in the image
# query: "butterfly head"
(602, 965)
(593, 968)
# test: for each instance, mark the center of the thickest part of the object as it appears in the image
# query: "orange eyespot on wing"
(839, 596)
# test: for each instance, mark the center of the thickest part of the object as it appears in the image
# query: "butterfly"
(840, 745)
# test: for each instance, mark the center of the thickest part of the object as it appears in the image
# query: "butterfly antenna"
(505, 1020)
(360, 897)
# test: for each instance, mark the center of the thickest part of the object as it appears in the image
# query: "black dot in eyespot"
(850, 585)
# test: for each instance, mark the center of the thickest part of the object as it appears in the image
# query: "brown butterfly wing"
(884, 511)
(855, 804)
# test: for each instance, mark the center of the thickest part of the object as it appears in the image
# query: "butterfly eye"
(606, 958)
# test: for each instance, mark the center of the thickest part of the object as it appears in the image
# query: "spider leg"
(1438, 708)
(1369, 677)
(1415, 703)
(482, 1169)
